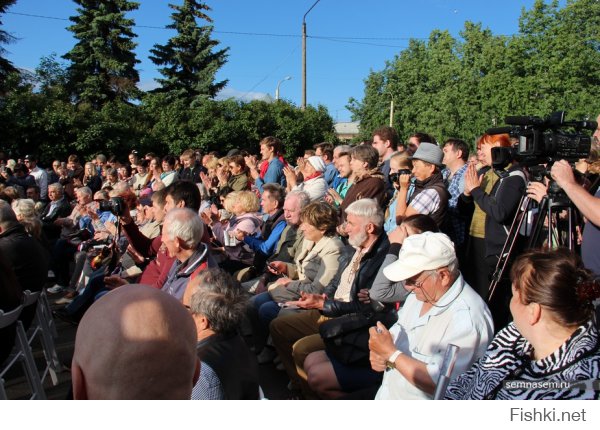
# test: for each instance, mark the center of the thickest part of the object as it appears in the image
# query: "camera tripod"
(561, 232)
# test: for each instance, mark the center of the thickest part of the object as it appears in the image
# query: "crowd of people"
(352, 269)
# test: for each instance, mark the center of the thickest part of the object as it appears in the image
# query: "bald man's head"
(135, 343)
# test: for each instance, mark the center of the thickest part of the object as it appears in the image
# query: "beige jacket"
(316, 265)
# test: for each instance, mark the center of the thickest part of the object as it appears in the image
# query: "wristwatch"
(390, 363)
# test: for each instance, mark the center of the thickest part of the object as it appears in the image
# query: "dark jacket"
(369, 266)
(182, 272)
(63, 210)
(94, 183)
(28, 260)
(190, 174)
(389, 186)
(234, 364)
(26, 256)
(500, 207)
(371, 186)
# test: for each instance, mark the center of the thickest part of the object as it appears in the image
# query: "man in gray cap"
(430, 196)
(441, 309)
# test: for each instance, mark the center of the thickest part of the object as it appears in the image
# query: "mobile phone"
(273, 268)
(286, 306)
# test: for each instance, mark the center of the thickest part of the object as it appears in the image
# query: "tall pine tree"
(103, 62)
(6, 66)
(189, 59)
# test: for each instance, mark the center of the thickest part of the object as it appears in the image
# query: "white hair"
(85, 190)
(184, 224)
(24, 208)
(367, 208)
(57, 186)
(342, 148)
(302, 196)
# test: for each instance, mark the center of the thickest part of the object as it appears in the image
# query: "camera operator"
(588, 205)
(496, 200)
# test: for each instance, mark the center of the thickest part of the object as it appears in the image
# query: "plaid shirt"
(456, 186)
(426, 202)
(208, 386)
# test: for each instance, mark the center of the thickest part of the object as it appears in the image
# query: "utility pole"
(303, 106)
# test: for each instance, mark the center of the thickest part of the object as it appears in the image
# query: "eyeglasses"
(415, 283)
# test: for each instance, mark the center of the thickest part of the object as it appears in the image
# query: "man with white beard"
(296, 335)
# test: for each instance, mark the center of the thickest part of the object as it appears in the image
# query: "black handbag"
(346, 338)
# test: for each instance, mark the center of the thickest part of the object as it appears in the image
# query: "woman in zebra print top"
(551, 349)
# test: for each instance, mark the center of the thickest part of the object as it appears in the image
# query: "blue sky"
(354, 37)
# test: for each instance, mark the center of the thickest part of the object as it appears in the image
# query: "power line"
(242, 33)
(272, 71)
(342, 40)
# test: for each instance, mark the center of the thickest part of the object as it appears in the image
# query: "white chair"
(21, 353)
(40, 327)
(47, 312)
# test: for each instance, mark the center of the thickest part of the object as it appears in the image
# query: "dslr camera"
(116, 205)
(395, 177)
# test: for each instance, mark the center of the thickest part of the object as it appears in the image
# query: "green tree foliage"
(6, 66)
(459, 87)
(84, 106)
(227, 124)
(103, 63)
(189, 61)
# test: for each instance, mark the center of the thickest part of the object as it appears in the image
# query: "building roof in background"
(347, 127)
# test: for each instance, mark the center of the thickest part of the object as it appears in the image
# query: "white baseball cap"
(420, 252)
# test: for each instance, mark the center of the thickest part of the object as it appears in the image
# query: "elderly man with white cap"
(430, 196)
(314, 183)
(441, 310)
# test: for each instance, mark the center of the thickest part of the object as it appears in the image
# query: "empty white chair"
(40, 327)
(21, 353)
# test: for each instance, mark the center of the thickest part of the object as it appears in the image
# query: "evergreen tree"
(189, 59)
(6, 66)
(103, 62)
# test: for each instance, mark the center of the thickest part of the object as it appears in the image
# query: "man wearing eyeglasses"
(441, 309)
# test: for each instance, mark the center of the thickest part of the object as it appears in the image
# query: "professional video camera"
(543, 141)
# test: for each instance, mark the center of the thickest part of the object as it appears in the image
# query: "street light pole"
(303, 106)
(287, 78)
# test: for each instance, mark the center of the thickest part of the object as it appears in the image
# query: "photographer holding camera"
(588, 205)
(401, 179)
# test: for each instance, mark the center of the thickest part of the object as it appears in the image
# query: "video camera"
(543, 141)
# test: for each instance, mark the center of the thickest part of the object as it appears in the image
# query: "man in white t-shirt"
(40, 176)
(442, 309)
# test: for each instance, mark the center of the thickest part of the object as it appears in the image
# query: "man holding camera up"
(430, 196)
(589, 206)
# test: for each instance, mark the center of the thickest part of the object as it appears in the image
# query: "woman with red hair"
(496, 196)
